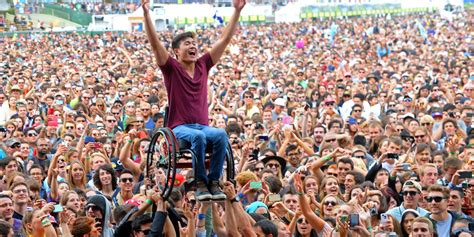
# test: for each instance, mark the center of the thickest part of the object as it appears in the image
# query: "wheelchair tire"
(168, 161)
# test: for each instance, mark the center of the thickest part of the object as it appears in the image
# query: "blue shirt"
(398, 211)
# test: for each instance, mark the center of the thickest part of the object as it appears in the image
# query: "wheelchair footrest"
(189, 165)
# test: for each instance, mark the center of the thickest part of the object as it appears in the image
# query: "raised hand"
(146, 5)
(238, 4)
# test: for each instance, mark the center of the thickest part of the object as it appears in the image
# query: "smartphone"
(353, 220)
(352, 121)
(65, 143)
(97, 145)
(263, 137)
(274, 198)
(465, 174)
(88, 139)
(256, 185)
(58, 208)
(343, 219)
(383, 218)
(92, 125)
(406, 166)
(392, 156)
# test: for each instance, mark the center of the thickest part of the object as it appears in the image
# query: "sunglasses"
(330, 140)
(32, 134)
(111, 120)
(69, 127)
(16, 145)
(357, 111)
(124, 180)
(425, 124)
(420, 137)
(411, 193)
(93, 207)
(359, 157)
(435, 198)
(258, 169)
(332, 203)
(301, 220)
(145, 232)
(246, 97)
(145, 109)
(116, 113)
(273, 165)
(247, 125)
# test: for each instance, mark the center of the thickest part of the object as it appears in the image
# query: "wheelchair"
(176, 154)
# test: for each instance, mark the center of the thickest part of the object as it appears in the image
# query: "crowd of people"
(359, 126)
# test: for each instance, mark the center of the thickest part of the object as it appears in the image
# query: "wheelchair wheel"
(162, 152)
(230, 170)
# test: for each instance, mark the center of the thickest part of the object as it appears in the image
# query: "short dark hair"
(139, 221)
(180, 37)
(5, 228)
(346, 161)
(4, 162)
(358, 177)
(267, 227)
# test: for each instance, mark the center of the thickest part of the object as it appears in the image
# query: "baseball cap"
(412, 184)
(280, 102)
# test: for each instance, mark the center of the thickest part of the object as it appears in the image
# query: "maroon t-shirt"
(187, 97)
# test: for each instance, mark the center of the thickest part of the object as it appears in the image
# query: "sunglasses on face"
(93, 207)
(301, 220)
(16, 145)
(273, 165)
(124, 180)
(426, 124)
(437, 199)
(332, 203)
(330, 140)
(32, 134)
(411, 193)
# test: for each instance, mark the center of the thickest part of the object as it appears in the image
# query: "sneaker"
(202, 193)
(216, 191)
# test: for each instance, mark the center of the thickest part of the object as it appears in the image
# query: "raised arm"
(160, 52)
(219, 47)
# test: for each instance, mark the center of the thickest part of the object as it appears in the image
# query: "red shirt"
(187, 97)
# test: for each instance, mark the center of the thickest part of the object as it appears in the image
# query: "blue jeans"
(199, 136)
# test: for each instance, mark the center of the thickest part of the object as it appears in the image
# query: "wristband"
(150, 202)
(300, 193)
(233, 200)
(201, 216)
(370, 229)
(130, 141)
(327, 158)
(45, 222)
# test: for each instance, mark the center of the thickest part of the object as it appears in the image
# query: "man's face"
(429, 176)
(6, 208)
(349, 182)
(318, 134)
(454, 201)
(411, 196)
(437, 202)
(293, 157)
(145, 110)
(291, 201)
(187, 51)
(36, 174)
(144, 230)
(126, 182)
(11, 167)
(342, 169)
(394, 148)
(20, 194)
(420, 229)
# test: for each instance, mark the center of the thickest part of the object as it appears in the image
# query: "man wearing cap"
(186, 80)
(278, 110)
(411, 195)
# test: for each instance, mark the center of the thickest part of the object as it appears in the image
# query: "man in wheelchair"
(186, 83)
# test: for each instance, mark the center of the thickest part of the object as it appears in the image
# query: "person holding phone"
(185, 79)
